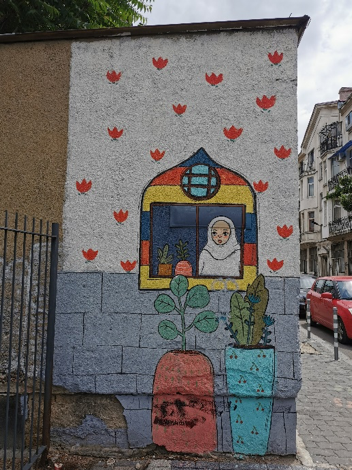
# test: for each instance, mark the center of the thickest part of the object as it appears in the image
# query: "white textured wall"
(141, 104)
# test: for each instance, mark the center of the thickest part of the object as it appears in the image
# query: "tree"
(19, 16)
(343, 193)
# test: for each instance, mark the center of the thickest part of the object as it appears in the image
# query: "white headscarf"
(222, 251)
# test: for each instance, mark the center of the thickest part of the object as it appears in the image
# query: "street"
(328, 336)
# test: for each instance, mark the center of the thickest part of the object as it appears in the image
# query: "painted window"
(198, 219)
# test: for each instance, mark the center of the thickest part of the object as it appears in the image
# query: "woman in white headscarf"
(221, 256)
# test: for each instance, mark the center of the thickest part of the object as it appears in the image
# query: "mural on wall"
(183, 414)
(198, 219)
(250, 369)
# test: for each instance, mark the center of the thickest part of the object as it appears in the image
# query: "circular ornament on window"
(200, 182)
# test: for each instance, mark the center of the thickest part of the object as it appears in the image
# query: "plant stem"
(183, 323)
(249, 336)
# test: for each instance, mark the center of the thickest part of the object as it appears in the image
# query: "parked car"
(326, 293)
(306, 282)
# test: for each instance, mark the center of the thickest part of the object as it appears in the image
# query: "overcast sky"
(324, 54)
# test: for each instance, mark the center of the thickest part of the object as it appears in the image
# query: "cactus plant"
(247, 322)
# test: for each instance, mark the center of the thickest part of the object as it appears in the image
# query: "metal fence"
(28, 273)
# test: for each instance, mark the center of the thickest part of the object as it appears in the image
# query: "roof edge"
(298, 23)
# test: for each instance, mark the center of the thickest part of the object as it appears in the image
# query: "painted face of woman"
(220, 232)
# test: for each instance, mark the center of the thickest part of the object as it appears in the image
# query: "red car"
(326, 293)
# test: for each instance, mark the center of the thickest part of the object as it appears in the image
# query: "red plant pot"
(183, 414)
(184, 268)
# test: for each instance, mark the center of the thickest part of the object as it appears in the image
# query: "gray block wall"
(107, 342)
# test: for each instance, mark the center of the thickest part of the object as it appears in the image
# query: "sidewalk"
(324, 404)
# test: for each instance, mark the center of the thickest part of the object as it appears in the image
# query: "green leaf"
(179, 285)
(198, 297)
(167, 329)
(258, 290)
(206, 322)
(164, 304)
(239, 316)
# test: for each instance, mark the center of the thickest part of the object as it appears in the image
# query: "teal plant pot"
(250, 382)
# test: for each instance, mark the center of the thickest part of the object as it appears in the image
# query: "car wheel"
(341, 332)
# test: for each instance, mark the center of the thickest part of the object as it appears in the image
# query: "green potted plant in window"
(164, 258)
(183, 266)
(250, 368)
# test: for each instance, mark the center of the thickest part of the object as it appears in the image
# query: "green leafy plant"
(247, 322)
(163, 255)
(343, 192)
(182, 250)
(196, 297)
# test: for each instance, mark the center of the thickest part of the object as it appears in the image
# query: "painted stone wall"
(181, 240)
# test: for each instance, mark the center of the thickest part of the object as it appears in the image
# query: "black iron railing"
(28, 273)
(335, 179)
(342, 225)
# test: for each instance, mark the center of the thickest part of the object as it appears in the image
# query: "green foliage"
(20, 16)
(182, 250)
(343, 192)
(247, 319)
(197, 297)
(163, 255)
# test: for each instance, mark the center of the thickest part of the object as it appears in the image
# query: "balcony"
(335, 179)
(339, 226)
(330, 143)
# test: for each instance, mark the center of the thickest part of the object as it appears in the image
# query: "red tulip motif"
(120, 216)
(260, 187)
(213, 79)
(160, 63)
(179, 109)
(128, 266)
(157, 155)
(113, 77)
(232, 133)
(265, 103)
(282, 152)
(90, 254)
(285, 231)
(275, 265)
(84, 186)
(114, 133)
(275, 58)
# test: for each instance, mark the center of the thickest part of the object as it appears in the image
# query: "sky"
(324, 54)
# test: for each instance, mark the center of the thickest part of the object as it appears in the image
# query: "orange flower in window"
(160, 63)
(90, 254)
(285, 231)
(179, 109)
(113, 77)
(128, 266)
(120, 216)
(260, 187)
(282, 152)
(276, 58)
(84, 186)
(265, 103)
(157, 155)
(213, 79)
(275, 265)
(114, 133)
(232, 133)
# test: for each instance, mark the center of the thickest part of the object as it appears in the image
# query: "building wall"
(124, 96)
(34, 87)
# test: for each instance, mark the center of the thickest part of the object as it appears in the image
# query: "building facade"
(178, 247)
(326, 156)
